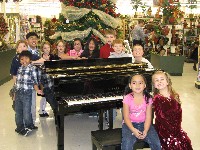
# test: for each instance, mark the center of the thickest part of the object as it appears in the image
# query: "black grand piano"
(90, 85)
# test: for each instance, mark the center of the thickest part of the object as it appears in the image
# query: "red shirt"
(105, 51)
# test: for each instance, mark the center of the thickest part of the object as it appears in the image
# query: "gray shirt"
(116, 55)
(138, 33)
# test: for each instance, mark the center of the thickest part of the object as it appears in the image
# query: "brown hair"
(55, 51)
(118, 41)
(172, 92)
(112, 32)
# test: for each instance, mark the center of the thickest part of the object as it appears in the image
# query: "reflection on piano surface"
(91, 85)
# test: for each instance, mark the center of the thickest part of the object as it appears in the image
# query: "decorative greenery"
(49, 29)
(171, 12)
(103, 5)
(90, 20)
(190, 32)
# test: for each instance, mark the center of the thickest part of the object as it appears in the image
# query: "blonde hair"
(42, 45)
(172, 92)
(19, 42)
(118, 41)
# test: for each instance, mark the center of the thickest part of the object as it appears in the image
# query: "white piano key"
(79, 102)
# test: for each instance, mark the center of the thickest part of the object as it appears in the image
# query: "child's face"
(138, 51)
(77, 45)
(25, 61)
(32, 41)
(110, 38)
(160, 81)
(91, 45)
(118, 48)
(46, 48)
(137, 84)
(21, 47)
(61, 47)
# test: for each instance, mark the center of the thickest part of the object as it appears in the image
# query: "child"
(91, 49)
(46, 50)
(60, 52)
(26, 82)
(47, 83)
(137, 55)
(168, 113)
(20, 46)
(46, 54)
(137, 112)
(77, 51)
(118, 49)
(107, 48)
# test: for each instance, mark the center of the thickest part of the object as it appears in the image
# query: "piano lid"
(86, 62)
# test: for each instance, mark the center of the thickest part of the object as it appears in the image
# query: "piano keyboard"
(92, 100)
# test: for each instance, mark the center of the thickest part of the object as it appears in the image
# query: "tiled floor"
(78, 127)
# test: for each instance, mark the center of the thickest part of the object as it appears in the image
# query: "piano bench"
(110, 139)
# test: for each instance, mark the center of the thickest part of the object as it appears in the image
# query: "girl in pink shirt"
(137, 113)
(77, 51)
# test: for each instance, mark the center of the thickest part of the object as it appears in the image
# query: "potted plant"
(136, 4)
(144, 8)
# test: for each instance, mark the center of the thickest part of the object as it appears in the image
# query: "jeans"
(128, 140)
(23, 102)
(33, 106)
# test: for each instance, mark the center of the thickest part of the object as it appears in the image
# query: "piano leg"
(60, 131)
(111, 118)
(100, 120)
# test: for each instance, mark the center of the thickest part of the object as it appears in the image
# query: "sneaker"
(195, 68)
(29, 129)
(42, 115)
(18, 130)
(33, 127)
(46, 114)
(25, 132)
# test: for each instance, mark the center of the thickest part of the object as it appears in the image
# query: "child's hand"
(144, 134)
(75, 57)
(84, 58)
(137, 133)
(40, 92)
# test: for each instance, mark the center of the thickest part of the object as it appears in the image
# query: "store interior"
(176, 28)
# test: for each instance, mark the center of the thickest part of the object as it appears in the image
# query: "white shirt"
(145, 61)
